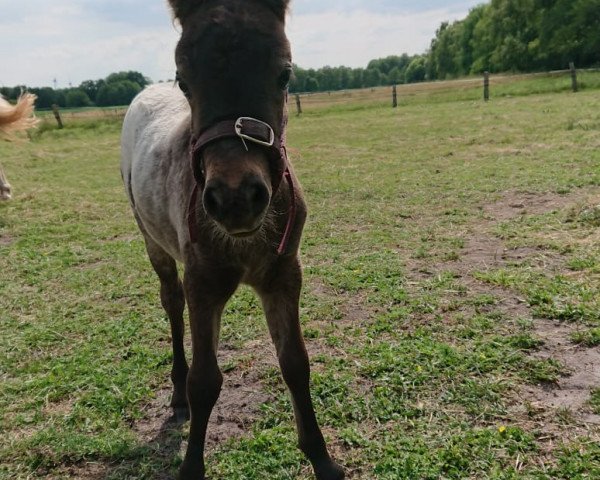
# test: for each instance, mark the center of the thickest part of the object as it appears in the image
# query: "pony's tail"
(19, 117)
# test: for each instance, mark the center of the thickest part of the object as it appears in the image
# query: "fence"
(466, 89)
(65, 115)
(469, 89)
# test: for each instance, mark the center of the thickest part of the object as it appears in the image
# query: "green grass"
(415, 372)
(588, 338)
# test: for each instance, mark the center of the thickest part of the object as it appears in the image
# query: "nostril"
(261, 195)
(258, 196)
(212, 201)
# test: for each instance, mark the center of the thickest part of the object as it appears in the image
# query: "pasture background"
(429, 359)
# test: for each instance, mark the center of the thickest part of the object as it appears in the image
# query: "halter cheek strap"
(249, 130)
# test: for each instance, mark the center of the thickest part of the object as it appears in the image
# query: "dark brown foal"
(209, 180)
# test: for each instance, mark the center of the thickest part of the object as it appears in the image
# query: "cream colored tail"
(19, 117)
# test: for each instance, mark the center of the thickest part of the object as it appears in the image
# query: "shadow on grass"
(157, 459)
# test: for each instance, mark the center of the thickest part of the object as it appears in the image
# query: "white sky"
(76, 40)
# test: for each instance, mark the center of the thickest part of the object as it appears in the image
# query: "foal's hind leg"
(173, 301)
(280, 299)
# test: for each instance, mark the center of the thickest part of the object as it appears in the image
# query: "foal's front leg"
(280, 297)
(5, 189)
(206, 297)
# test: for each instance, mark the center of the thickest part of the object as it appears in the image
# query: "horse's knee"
(171, 294)
(204, 385)
(295, 366)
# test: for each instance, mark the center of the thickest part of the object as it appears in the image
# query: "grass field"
(451, 304)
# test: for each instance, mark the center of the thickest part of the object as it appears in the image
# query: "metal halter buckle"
(239, 125)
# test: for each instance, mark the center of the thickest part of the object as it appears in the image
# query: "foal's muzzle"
(239, 211)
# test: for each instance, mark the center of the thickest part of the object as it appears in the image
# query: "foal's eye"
(284, 78)
(185, 89)
(182, 86)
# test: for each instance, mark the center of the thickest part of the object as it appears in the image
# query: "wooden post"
(573, 77)
(57, 116)
(486, 86)
(298, 105)
(394, 96)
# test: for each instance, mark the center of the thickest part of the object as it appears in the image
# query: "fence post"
(298, 105)
(573, 77)
(394, 96)
(486, 86)
(57, 115)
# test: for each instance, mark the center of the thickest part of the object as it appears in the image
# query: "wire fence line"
(471, 88)
(468, 89)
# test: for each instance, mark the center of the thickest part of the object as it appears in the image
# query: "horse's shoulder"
(153, 112)
(162, 96)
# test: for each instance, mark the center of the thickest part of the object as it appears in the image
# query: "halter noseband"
(252, 130)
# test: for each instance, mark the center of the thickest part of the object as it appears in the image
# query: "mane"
(183, 8)
(19, 117)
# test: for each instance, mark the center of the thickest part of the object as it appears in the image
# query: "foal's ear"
(182, 8)
(278, 6)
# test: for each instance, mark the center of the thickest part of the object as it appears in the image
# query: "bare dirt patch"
(236, 410)
(6, 240)
(81, 471)
(572, 392)
(583, 364)
(570, 395)
(353, 309)
(514, 204)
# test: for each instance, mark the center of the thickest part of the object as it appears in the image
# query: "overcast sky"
(76, 40)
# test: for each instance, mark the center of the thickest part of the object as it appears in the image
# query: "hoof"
(330, 471)
(179, 404)
(180, 415)
(5, 189)
(187, 472)
(192, 467)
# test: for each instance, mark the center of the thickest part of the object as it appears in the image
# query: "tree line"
(498, 36)
(392, 70)
(517, 36)
(117, 89)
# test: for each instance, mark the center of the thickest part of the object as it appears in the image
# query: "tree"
(117, 93)
(298, 80)
(416, 70)
(358, 78)
(311, 85)
(444, 54)
(76, 97)
(569, 32)
(372, 77)
(135, 77)
(46, 97)
(395, 76)
(12, 93)
(91, 87)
